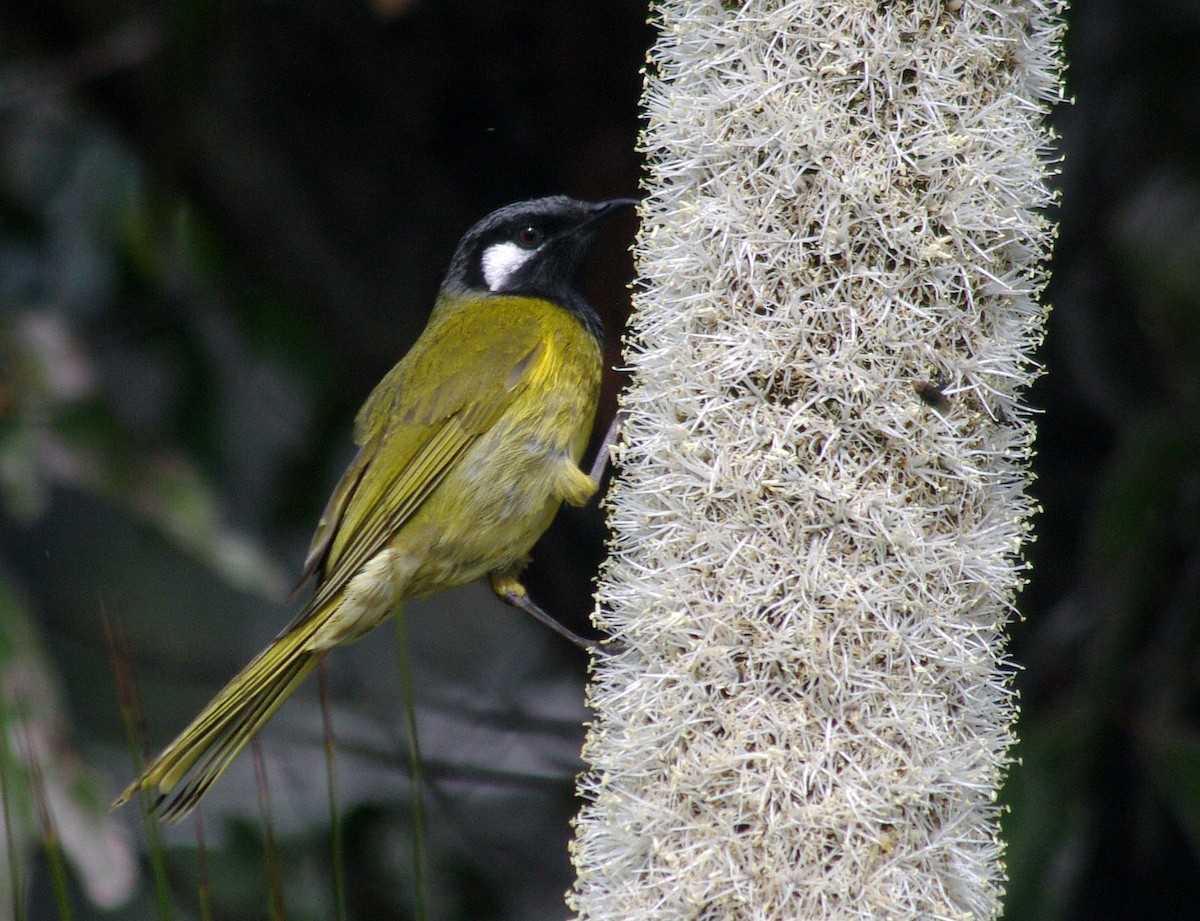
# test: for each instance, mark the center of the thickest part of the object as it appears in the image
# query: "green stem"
(51, 844)
(335, 815)
(203, 890)
(130, 701)
(14, 860)
(414, 765)
(156, 853)
(270, 851)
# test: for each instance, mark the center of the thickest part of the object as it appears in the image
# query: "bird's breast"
(504, 491)
(512, 470)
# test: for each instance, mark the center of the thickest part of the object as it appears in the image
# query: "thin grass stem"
(14, 857)
(270, 851)
(129, 698)
(51, 844)
(203, 889)
(420, 883)
(335, 814)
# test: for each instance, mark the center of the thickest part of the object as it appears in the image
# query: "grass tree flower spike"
(821, 499)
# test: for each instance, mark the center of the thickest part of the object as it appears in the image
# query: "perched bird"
(466, 450)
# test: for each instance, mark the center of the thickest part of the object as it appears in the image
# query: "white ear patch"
(501, 261)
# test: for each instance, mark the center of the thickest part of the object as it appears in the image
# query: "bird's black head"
(533, 248)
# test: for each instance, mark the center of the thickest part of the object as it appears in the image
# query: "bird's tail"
(225, 725)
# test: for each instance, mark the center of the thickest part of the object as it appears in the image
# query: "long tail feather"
(202, 752)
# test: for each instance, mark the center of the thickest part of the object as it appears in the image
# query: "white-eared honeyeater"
(466, 450)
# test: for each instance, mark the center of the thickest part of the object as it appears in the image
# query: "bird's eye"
(529, 237)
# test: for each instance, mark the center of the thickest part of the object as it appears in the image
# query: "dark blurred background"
(221, 223)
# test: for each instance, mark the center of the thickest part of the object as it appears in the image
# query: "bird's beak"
(604, 208)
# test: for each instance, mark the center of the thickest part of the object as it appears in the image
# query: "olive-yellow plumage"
(466, 450)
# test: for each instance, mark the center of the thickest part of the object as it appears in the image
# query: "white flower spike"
(821, 499)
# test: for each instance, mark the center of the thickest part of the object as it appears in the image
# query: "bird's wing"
(421, 418)
(332, 514)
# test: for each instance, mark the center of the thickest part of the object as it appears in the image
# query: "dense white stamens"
(807, 711)
(501, 261)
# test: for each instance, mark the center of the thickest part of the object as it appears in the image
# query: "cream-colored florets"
(821, 501)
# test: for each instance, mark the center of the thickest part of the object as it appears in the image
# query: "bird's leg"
(603, 452)
(510, 590)
(574, 486)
